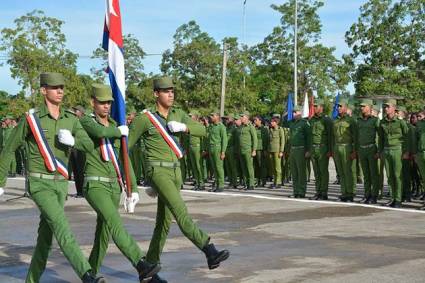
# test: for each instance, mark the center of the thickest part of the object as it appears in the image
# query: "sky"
(154, 23)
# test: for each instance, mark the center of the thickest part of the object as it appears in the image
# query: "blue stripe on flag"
(118, 105)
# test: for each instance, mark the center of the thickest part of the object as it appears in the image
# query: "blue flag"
(290, 108)
(335, 108)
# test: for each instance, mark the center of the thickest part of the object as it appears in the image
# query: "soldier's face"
(165, 97)
(101, 108)
(273, 123)
(342, 109)
(257, 122)
(238, 122)
(365, 109)
(318, 109)
(389, 109)
(53, 94)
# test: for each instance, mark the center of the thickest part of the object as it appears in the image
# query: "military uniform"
(247, 145)
(275, 148)
(419, 147)
(321, 132)
(217, 144)
(195, 151)
(260, 160)
(230, 160)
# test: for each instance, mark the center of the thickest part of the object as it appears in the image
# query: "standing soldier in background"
(260, 160)
(275, 149)
(7, 131)
(344, 133)
(300, 148)
(217, 144)
(104, 183)
(321, 132)
(418, 146)
(406, 184)
(237, 150)
(50, 132)
(393, 148)
(247, 146)
(195, 156)
(230, 160)
(367, 132)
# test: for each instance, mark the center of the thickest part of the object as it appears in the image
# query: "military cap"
(230, 116)
(401, 108)
(365, 102)
(163, 83)
(392, 102)
(245, 113)
(51, 79)
(237, 116)
(377, 108)
(297, 108)
(8, 116)
(102, 92)
(343, 102)
(79, 108)
(215, 112)
(319, 101)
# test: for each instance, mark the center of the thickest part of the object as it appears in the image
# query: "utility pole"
(295, 55)
(223, 80)
(244, 36)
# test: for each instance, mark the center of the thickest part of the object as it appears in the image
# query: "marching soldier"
(103, 185)
(344, 133)
(260, 160)
(321, 132)
(157, 127)
(275, 148)
(393, 148)
(367, 131)
(49, 133)
(247, 146)
(217, 144)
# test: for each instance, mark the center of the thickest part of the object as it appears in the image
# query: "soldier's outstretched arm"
(82, 140)
(195, 128)
(96, 130)
(137, 128)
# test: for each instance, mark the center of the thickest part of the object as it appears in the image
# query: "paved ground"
(272, 238)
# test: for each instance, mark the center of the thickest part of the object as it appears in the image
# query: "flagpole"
(295, 55)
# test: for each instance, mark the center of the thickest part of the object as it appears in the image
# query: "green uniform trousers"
(298, 171)
(217, 166)
(420, 161)
(276, 167)
(49, 196)
(369, 165)
(345, 169)
(104, 198)
(320, 162)
(393, 167)
(406, 178)
(286, 168)
(232, 170)
(167, 182)
(195, 161)
(248, 168)
(260, 162)
(136, 161)
(240, 168)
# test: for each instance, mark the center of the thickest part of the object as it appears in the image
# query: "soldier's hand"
(222, 156)
(130, 202)
(176, 127)
(307, 154)
(280, 154)
(65, 137)
(254, 153)
(1, 191)
(123, 130)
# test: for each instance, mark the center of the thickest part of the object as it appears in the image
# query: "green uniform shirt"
(393, 132)
(195, 141)
(367, 130)
(156, 147)
(344, 130)
(22, 134)
(6, 134)
(299, 133)
(231, 138)
(262, 137)
(95, 165)
(276, 140)
(247, 138)
(237, 136)
(321, 130)
(419, 137)
(217, 137)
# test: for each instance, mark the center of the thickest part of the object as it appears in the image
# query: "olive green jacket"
(217, 137)
(247, 138)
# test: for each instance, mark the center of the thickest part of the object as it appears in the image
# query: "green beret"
(392, 102)
(319, 101)
(297, 108)
(366, 102)
(343, 102)
(51, 79)
(102, 92)
(163, 83)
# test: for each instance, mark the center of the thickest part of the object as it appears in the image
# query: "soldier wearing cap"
(275, 148)
(344, 133)
(102, 185)
(367, 129)
(163, 171)
(48, 189)
(393, 148)
(230, 161)
(300, 151)
(321, 133)
(247, 148)
(217, 145)
(6, 132)
(195, 151)
(406, 184)
(260, 160)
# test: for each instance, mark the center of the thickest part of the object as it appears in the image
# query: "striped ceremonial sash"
(52, 163)
(107, 153)
(167, 136)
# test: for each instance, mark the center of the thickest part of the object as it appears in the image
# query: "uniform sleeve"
(82, 141)
(357, 140)
(380, 138)
(254, 138)
(223, 135)
(308, 135)
(353, 130)
(16, 139)
(330, 134)
(95, 130)
(137, 128)
(281, 140)
(406, 142)
(195, 128)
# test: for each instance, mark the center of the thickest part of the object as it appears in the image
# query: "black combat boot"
(88, 277)
(157, 279)
(147, 270)
(214, 256)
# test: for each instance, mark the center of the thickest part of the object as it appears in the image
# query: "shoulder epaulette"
(70, 112)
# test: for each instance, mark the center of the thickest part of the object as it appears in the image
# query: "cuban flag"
(290, 108)
(113, 43)
(335, 107)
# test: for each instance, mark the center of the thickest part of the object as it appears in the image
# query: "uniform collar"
(155, 110)
(110, 120)
(43, 111)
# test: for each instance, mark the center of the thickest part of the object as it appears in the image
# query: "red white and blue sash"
(108, 154)
(52, 163)
(165, 133)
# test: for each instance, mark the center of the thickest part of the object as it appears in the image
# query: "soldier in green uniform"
(275, 149)
(260, 160)
(49, 188)
(393, 148)
(344, 133)
(237, 150)
(7, 131)
(406, 184)
(195, 156)
(247, 147)
(230, 160)
(321, 132)
(217, 145)
(164, 172)
(300, 151)
(367, 131)
(102, 186)
(380, 175)
(418, 147)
